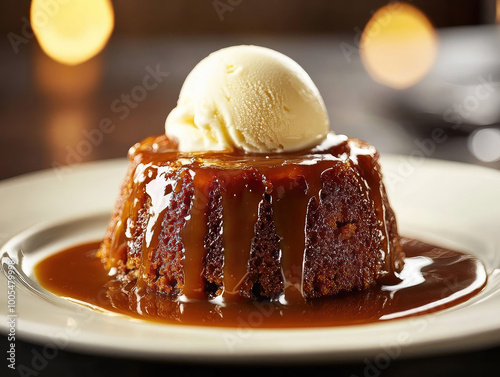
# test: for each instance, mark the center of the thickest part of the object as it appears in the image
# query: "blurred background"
(85, 80)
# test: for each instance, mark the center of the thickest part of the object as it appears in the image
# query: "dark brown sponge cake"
(283, 226)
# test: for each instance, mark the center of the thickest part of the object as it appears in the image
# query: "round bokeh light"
(485, 144)
(72, 32)
(398, 45)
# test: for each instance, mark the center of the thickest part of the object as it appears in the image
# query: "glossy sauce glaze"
(186, 223)
(433, 279)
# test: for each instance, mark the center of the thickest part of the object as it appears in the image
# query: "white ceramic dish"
(446, 203)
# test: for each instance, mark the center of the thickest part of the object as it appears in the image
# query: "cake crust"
(284, 227)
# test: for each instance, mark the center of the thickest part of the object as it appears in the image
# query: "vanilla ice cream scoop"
(249, 98)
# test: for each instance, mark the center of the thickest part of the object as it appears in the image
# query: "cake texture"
(287, 227)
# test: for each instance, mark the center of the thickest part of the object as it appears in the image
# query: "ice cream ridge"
(249, 196)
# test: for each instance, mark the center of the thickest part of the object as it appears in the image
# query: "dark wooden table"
(52, 115)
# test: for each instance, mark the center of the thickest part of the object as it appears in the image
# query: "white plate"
(450, 204)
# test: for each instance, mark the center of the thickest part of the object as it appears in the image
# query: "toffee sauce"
(293, 182)
(433, 279)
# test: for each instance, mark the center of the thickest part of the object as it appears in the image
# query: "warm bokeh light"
(72, 31)
(398, 45)
(498, 11)
(62, 82)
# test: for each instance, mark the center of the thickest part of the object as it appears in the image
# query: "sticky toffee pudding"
(250, 204)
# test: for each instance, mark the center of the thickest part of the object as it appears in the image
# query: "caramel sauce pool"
(433, 279)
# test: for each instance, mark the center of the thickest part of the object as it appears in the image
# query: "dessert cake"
(249, 196)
